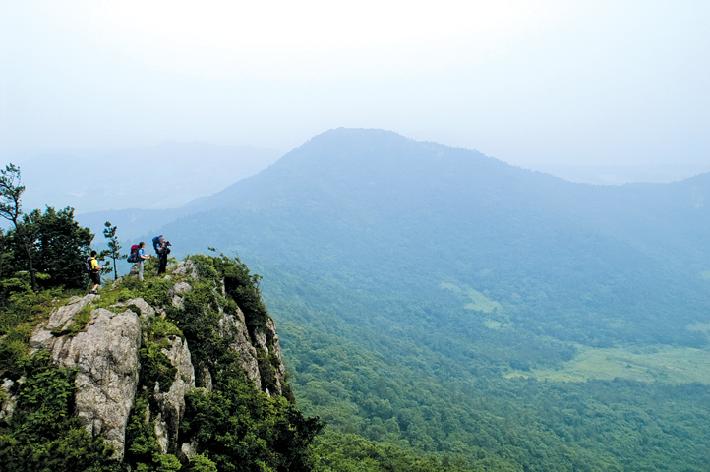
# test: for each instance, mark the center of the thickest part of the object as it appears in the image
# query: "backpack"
(133, 256)
(87, 264)
(156, 244)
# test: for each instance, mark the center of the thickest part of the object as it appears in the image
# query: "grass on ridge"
(477, 301)
(662, 364)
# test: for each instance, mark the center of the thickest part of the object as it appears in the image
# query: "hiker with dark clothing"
(162, 249)
(163, 258)
(157, 242)
(94, 269)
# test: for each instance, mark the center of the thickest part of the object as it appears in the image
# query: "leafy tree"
(114, 247)
(202, 463)
(241, 429)
(11, 190)
(50, 242)
(7, 266)
(59, 246)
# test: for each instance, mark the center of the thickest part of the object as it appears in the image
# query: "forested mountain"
(441, 300)
(371, 202)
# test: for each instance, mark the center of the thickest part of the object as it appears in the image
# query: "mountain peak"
(370, 137)
(343, 132)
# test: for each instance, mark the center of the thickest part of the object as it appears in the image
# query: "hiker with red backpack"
(138, 257)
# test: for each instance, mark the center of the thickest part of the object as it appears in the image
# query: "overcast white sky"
(535, 83)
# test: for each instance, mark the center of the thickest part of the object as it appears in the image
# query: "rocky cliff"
(151, 361)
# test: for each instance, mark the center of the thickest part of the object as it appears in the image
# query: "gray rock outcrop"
(177, 291)
(172, 403)
(62, 317)
(232, 326)
(267, 341)
(8, 401)
(137, 304)
(106, 357)
(275, 352)
(106, 346)
(186, 268)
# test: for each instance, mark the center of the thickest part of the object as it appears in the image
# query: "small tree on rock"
(11, 190)
(114, 247)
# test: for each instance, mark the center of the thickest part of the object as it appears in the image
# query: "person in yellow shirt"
(94, 272)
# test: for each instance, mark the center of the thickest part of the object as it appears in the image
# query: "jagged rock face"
(268, 341)
(162, 435)
(187, 451)
(172, 402)
(280, 368)
(233, 327)
(9, 401)
(105, 355)
(186, 268)
(143, 308)
(63, 316)
(176, 293)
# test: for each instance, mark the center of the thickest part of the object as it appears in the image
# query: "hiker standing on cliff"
(94, 269)
(137, 257)
(162, 249)
(140, 258)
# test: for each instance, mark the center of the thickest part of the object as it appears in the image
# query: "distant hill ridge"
(378, 169)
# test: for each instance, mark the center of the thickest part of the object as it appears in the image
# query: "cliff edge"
(183, 371)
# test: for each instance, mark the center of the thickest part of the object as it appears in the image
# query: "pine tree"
(11, 190)
(114, 247)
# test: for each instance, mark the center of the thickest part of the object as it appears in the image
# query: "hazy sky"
(535, 83)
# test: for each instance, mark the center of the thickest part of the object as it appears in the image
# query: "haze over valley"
(366, 236)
